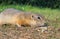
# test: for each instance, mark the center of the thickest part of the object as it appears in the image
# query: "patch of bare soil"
(13, 32)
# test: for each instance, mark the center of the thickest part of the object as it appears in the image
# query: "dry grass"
(14, 32)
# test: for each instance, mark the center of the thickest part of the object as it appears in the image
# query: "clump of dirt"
(13, 32)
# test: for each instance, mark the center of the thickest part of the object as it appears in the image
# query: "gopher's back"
(14, 16)
(9, 15)
(11, 11)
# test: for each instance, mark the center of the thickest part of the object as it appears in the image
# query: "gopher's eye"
(38, 17)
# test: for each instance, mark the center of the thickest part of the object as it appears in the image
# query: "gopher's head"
(33, 19)
(38, 20)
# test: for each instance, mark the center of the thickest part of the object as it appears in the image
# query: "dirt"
(14, 32)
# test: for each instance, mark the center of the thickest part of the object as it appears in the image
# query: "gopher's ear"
(32, 16)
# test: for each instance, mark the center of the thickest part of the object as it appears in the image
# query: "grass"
(51, 14)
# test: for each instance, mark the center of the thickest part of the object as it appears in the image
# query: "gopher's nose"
(44, 25)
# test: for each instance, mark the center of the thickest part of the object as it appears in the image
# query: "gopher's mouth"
(44, 25)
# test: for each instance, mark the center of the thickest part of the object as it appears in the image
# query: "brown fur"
(19, 18)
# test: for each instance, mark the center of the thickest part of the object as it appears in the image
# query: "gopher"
(21, 18)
